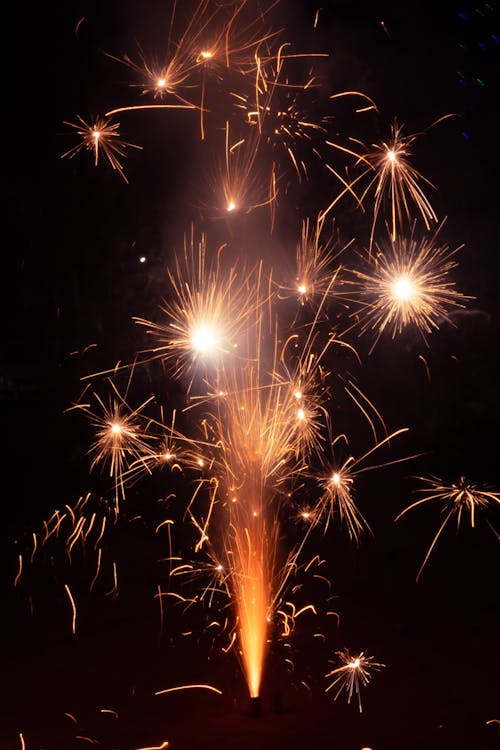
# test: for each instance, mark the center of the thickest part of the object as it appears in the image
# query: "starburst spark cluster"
(257, 348)
(458, 499)
(353, 672)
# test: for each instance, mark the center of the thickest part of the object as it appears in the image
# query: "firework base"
(256, 707)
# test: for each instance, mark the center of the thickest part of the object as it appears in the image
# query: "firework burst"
(206, 312)
(409, 285)
(457, 500)
(101, 137)
(121, 436)
(393, 180)
(353, 673)
(317, 272)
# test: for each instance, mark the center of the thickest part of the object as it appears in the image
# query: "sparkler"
(258, 390)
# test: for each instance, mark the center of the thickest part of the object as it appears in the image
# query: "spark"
(409, 285)
(209, 43)
(235, 183)
(19, 572)
(395, 182)
(73, 607)
(338, 489)
(457, 500)
(120, 437)
(102, 136)
(352, 674)
(189, 687)
(207, 311)
(316, 272)
(173, 76)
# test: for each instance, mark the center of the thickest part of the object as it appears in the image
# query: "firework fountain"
(254, 349)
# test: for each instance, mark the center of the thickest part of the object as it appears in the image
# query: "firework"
(235, 182)
(353, 673)
(409, 285)
(258, 409)
(102, 136)
(276, 107)
(393, 180)
(457, 500)
(206, 313)
(316, 272)
(121, 436)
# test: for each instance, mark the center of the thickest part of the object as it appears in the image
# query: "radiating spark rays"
(398, 181)
(338, 486)
(212, 43)
(315, 269)
(102, 136)
(353, 673)
(211, 40)
(211, 574)
(235, 181)
(409, 286)
(181, 58)
(121, 436)
(206, 313)
(394, 182)
(458, 499)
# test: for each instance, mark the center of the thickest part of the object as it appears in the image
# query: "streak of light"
(189, 687)
(73, 607)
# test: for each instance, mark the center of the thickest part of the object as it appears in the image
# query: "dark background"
(73, 237)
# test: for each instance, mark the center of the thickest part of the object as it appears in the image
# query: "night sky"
(73, 243)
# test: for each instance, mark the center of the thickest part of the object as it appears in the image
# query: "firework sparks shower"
(245, 401)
